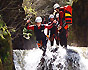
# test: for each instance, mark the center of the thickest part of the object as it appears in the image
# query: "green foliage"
(29, 11)
(25, 30)
(70, 2)
(26, 33)
(4, 43)
(0, 61)
(3, 29)
(75, 0)
(28, 8)
(5, 51)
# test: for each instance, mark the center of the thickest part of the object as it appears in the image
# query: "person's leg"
(55, 36)
(52, 40)
(52, 43)
(61, 42)
(61, 39)
(65, 42)
(44, 46)
(57, 40)
(64, 39)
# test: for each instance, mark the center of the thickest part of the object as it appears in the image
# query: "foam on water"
(29, 59)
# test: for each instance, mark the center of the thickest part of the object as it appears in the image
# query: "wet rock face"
(70, 61)
(80, 22)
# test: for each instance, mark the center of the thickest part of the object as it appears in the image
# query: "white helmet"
(51, 16)
(56, 5)
(57, 15)
(38, 19)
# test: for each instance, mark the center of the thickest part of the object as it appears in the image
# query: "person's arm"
(49, 26)
(61, 18)
(30, 27)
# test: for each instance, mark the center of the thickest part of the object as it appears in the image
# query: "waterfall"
(72, 58)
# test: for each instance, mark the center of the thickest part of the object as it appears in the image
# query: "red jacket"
(45, 26)
(39, 31)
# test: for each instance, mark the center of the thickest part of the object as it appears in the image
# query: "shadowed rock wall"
(80, 22)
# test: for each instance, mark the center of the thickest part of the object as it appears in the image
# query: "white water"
(29, 59)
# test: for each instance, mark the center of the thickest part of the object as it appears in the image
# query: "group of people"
(56, 29)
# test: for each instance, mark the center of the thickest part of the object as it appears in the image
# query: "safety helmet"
(51, 16)
(57, 15)
(38, 19)
(56, 6)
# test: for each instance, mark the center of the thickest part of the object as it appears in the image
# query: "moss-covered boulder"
(6, 49)
(6, 60)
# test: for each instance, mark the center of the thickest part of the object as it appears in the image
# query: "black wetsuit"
(63, 38)
(54, 34)
(39, 33)
(40, 36)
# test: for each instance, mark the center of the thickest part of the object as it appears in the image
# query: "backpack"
(65, 15)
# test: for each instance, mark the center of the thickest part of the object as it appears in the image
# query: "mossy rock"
(6, 54)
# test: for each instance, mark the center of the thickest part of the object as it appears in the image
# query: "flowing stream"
(72, 58)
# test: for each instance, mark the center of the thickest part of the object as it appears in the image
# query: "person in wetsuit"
(53, 31)
(62, 35)
(39, 33)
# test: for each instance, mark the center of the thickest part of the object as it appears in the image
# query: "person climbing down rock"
(53, 31)
(62, 34)
(39, 33)
(65, 18)
(61, 31)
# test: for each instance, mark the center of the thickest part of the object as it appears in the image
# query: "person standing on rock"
(39, 33)
(58, 26)
(62, 34)
(53, 31)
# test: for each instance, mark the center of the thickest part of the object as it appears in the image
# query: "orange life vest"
(66, 14)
